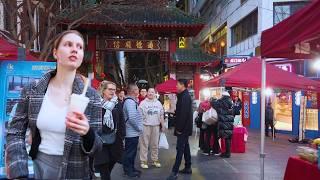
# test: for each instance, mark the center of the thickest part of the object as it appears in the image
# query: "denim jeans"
(183, 149)
(131, 146)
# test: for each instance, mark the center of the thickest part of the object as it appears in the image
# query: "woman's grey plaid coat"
(75, 162)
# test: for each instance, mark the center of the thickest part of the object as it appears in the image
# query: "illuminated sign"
(182, 42)
(233, 60)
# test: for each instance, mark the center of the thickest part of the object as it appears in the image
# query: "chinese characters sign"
(131, 45)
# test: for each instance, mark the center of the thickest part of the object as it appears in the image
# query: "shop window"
(219, 40)
(245, 28)
(282, 10)
(312, 119)
(282, 104)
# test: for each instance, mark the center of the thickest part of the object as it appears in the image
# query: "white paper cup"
(78, 103)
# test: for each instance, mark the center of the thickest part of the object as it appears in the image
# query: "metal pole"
(263, 112)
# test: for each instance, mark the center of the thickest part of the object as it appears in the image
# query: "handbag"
(163, 142)
(210, 117)
(109, 138)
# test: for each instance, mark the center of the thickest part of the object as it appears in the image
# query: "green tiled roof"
(132, 15)
(193, 56)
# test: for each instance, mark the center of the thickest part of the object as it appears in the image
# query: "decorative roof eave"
(194, 56)
(170, 18)
(194, 29)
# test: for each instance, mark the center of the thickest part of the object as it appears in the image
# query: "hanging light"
(206, 92)
(222, 43)
(269, 92)
(213, 49)
(316, 64)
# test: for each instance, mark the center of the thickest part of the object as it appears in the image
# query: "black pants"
(212, 130)
(228, 145)
(208, 134)
(269, 124)
(202, 139)
(131, 146)
(216, 145)
(105, 170)
(183, 149)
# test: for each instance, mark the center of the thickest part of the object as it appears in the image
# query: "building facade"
(235, 26)
(233, 29)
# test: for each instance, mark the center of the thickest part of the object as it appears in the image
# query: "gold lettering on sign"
(139, 44)
(150, 44)
(116, 44)
(128, 44)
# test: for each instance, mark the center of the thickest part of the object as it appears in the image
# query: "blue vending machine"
(14, 75)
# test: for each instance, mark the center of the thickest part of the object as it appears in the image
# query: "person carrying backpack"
(134, 127)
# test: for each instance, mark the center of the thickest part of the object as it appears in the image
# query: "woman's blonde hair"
(104, 85)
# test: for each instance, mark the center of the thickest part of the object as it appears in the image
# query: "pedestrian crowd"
(69, 143)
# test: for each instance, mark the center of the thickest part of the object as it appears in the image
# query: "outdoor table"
(300, 169)
(238, 145)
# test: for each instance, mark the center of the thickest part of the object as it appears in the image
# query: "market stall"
(167, 87)
(294, 37)
(9, 51)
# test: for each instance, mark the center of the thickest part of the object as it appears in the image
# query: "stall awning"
(167, 87)
(296, 37)
(9, 51)
(248, 75)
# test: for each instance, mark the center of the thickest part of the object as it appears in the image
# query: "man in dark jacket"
(183, 129)
(224, 108)
(269, 119)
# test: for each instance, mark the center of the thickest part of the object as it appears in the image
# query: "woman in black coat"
(224, 108)
(105, 160)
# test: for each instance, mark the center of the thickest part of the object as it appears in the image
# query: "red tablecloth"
(238, 145)
(300, 169)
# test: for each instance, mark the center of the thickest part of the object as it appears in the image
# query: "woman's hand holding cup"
(77, 122)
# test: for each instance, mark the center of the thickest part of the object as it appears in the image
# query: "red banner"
(246, 109)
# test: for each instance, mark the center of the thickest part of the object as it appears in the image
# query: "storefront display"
(312, 119)
(283, 111)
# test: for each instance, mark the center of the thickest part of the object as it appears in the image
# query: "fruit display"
(316, 142)
(308, 154)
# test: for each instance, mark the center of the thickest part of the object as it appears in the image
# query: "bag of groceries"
(210, 117)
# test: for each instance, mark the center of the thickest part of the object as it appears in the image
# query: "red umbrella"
(248, 75)
(9, 51)
(169, 86)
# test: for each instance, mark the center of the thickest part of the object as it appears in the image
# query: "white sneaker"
(144, 165)
(156, 164)
(97, 175)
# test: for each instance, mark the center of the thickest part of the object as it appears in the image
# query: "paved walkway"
(238, 167)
